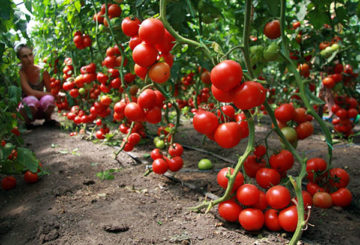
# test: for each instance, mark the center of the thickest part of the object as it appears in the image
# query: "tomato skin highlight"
(248, 194)
(228, 135)
(278, 197)
(159, 166)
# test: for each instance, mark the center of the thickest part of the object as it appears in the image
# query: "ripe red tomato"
(166, 44)
(229, 210)
(240, 118)
(272, 220)
(251, 219)
(304, 130)
(147, 99)
(134, 138)
(144, 55)
(307, 199)
(272, 29)
(222, 180)
(205, 77)
(221, 95)
(130, 26)
(278, 197)
(261, 203)
(9, 182)
(153, 115)
(260, 151)
(267, 177)
(249, 95)
(322, 199)
(114, 10)
(134, 112)
(341, 197)
(312, 188)
(300, 115)
(134, 41)
(152, 31)
(226, 75)
(30, 177)
(288, 219)
(159, 72)
(228, 135)
(282, 161)
(285, 113)
(156, 153)
(314, 167)
(339, 177)
(252, 165)
(175, 163)
(328, 82)
(160, 166)
(248, 194)
(205, 122)
(175, 150)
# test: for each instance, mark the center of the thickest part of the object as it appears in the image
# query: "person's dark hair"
(18, 47)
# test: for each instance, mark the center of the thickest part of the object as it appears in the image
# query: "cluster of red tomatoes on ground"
(172, 162)
(346, 110)
(253, 208)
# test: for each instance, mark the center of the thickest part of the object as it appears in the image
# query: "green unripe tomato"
(205, 164)
(271, 53)
(160, 144)
(291, 135)
(256, 54)
(156, 139)
(82, 91)
(334, 47)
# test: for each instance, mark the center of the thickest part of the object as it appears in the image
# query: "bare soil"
(72, 205)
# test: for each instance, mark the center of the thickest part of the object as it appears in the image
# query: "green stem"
(246, 34)
(96, 29)
(125, 140)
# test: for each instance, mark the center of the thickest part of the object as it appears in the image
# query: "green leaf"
(313, 99)
(274, 7)
(318, 18)
(27, 158)
(77, 5)
(5, 10)
(28, 5)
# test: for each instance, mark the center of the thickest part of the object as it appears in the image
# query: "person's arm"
(47, 82)
(27, 89)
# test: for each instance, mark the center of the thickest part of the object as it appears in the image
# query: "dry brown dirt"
(72, 205)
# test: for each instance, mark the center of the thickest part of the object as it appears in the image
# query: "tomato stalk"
(180, 38)
(246, 35)
(96, 28)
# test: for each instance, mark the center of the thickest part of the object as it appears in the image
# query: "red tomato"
(30, 177)
(134, 41)
(240, 118)
(312, 188)
(272, 29)
(175, 150)
(221, 95)
(278, 197)
(288, 219)
(251, 219)
(222, 180)
(307, 199)
(152, 31)
(159, 72)
(251, 165)
(114, 10)
(249, 95)
(175, 163)
(130, 26)
(304, 130)
(134, 138)
(282, 161)
(341, 197)
(160, 166)
(267, 177)
(322, 199)
(261, 203)
(226, 75)
(153, 115)
(328, 82)
(272, 220)
(339, 177)
(285, 113)
(134, 112)
(228, 135)
(260, 151)
(156, 153)
(147, 99)
(300, 115)
(205, 122)
(229, 210)
(314, 167)
(166, 44)
(248, 194)
(9, 182)
(144, 55)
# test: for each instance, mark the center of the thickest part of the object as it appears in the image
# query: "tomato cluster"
(82, 41)
(346, 110)
(253, 208)
(172, 162)
(114, 11)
